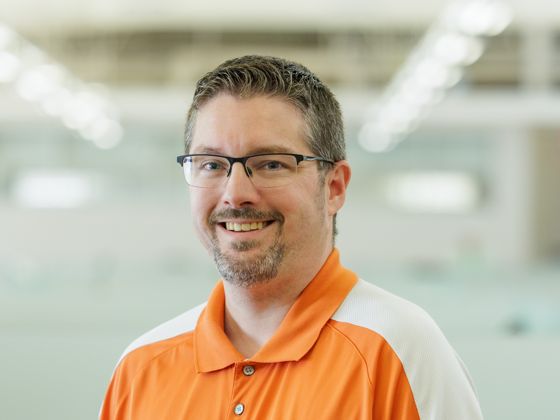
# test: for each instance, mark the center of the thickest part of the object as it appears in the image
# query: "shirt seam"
(403, 373)
(329, 324)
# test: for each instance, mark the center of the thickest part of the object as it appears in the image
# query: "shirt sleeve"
(440, 384)
(417, 365)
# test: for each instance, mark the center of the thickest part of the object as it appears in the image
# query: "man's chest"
(338, 378)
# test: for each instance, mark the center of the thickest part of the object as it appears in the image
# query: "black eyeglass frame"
(243, 160)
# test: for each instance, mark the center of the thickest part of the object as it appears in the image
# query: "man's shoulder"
(409, 331)
(437, 376)
(386, 314)
(165, 335)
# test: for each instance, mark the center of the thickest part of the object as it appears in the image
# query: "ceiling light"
(9, 67)
(375, 139)
(433, 192)
(454, 41)
(456, 49)
(56, 102)
(479, 17)
(105, 133)
(52, 189)
(38, 82)
(431, 73)
(38, 79)
(7, 36)
(82, 109)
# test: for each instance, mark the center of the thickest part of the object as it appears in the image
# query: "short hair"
(254, 75)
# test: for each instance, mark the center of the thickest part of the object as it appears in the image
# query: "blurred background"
(452, 115)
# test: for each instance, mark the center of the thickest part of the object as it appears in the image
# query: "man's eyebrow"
(209, 150)
(256, 151)
(271, 149)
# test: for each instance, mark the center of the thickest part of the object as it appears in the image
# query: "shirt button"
(248, 370)
(239, 409)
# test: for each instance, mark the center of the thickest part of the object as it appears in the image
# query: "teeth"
(244, 227)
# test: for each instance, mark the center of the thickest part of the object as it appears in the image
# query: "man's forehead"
(260, 124)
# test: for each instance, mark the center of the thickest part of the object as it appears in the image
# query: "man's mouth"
(245, 227)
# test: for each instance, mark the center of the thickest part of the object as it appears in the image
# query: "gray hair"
(254, 75)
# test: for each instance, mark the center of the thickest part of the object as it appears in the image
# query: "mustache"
(245, 213)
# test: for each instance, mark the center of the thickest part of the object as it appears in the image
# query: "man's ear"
(337, 182)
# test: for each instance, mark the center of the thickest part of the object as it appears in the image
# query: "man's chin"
(241, 252)
(247, 264)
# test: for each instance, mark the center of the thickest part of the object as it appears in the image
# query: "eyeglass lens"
(265, 171)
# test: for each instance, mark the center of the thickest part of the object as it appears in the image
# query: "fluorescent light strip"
(38, 79)
(455, 41)
(52, 189)
(433, 192)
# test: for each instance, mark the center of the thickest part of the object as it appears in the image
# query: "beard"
(241, 270)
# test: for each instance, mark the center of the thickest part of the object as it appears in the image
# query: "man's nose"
(239, 189)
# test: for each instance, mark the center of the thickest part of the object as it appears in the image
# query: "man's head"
(252, 75)
(255, 105)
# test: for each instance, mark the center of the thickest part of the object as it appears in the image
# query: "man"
(289, 333)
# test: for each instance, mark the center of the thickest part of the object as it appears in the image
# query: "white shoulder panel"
(440, 384)
(179, 325)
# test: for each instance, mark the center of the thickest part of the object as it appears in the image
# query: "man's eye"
(272, 165)
(211, 166)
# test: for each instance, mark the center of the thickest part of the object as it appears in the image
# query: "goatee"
(239, 269)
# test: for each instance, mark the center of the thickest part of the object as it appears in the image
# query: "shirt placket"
(243, 378)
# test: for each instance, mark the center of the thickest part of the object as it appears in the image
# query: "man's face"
(293, 222)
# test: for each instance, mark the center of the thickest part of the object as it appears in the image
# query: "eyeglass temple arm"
(316, 158)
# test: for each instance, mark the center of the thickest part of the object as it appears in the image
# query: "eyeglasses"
(265, 170)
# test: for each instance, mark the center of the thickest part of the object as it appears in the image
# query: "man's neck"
(252, 315)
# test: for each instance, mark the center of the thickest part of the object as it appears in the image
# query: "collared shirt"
(345, 350)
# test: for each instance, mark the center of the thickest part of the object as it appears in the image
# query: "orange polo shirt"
(345, 350)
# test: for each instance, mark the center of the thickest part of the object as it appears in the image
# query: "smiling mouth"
(245, 227)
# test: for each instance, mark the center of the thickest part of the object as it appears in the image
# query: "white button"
(248, 370)
(239, 409)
